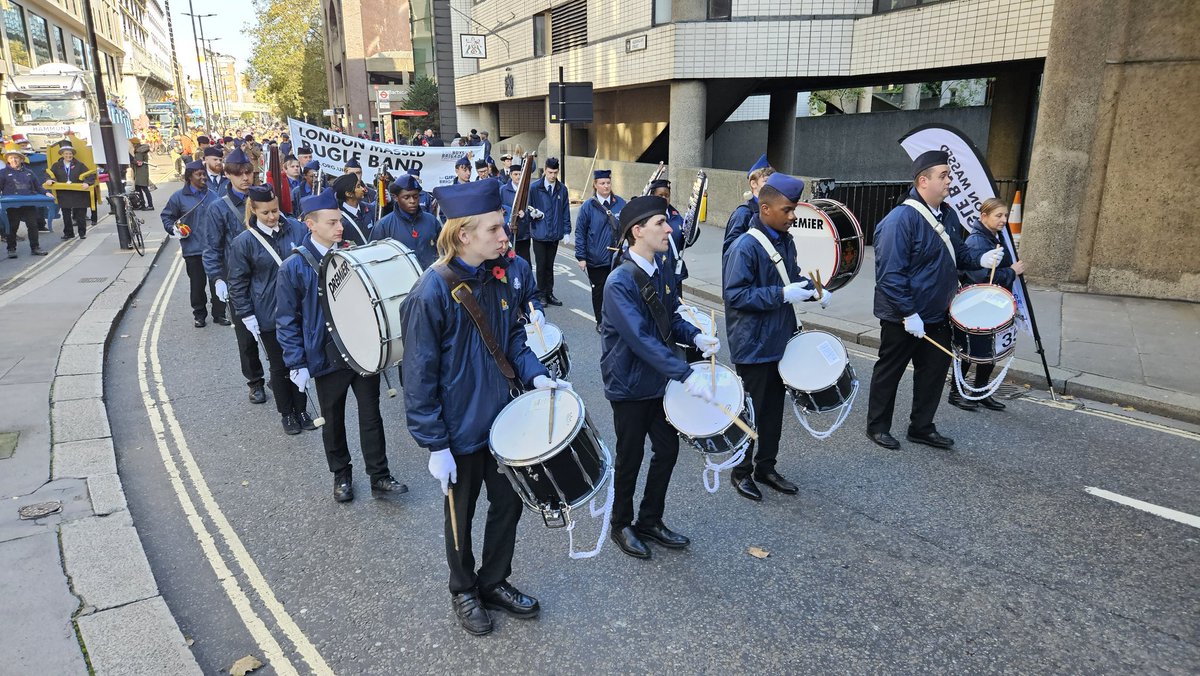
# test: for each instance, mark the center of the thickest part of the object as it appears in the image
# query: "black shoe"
(67, 237)
(508, 598)
(884, 439)
(223, 321)
(664, 536)
(290, 424)
(775, 480)
(257, 394)
(932, 439)
(343, 488)
(39, 252)
(992, 404)
(306, 422)
(471, 614)
(82, 236)
(12, 254)
(955, 399)
(627, 539)
(551, 300)
(387, 484)
(746, 487)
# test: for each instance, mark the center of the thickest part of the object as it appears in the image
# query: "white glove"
(991, 259)
(535, 214)
(299, 378)
(826, 297)
(561, 384)
(914, 325)
(222, 290)
(175, 231)
(537, 318)
(797, 292)
(544, 383)
(443, 468)
(698, 385)
(708, 345)
(251, 323)
(567, 239)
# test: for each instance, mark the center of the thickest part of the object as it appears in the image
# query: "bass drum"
(828, 239)
(360, 290)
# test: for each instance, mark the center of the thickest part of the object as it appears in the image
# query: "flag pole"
(1037, 336)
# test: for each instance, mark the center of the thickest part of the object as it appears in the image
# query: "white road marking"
(585, 287)
(1164, 512)
(241, 602)
(583, 314)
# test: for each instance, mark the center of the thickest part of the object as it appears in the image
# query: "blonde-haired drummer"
(454, 388)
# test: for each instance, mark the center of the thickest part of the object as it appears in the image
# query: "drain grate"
(91, 280)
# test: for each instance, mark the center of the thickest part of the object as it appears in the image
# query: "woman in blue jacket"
(597, 236)
(182, 217)
(254, 260)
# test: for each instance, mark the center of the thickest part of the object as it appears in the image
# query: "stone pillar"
(1012, 97)
(687, 132)
(865, 98)
(912, 97)
(489, 120)
(781, 131)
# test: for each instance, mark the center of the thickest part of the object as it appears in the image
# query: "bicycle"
(133, 201)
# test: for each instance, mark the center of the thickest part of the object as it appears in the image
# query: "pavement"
(79, 592)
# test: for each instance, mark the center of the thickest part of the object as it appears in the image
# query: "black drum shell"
(828, 399)
(979, 347)
(577, 470)
(850, 240)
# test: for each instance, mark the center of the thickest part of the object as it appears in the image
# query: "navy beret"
(304, 150)
(203, 139)
(639, 209)
(405, 182)
(414, 172)
(660, 183)
(762, 163)
(551, 162)
(468, 199)
(479, 164)
(601, 173)
(462, 162)
(321, 201)
(312, 165)
(193, 166)
(788, 186)
(213, 151)
(260, 193)
(353, 164)
(236, 156)
(927, 159)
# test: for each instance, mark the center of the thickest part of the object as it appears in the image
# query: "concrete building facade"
(368, 46)
(146, 67)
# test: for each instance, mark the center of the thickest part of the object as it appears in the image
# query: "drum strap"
(232, 207)
(303, 251)
(265, 244)
(650, 296)
(933, 222)
(354, 224)
(460, 291)
(762, 239)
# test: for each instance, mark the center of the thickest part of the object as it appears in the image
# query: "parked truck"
(49, 101)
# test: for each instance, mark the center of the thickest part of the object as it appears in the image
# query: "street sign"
(472, 46)
(328, 112)
(570, 102)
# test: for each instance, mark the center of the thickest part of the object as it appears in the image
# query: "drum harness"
(801, 414)
(460, 291)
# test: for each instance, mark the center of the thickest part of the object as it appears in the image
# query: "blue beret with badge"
(468, 199)
(319, 202)
(601, 173)
(788, 186)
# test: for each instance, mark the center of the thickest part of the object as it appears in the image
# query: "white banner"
(333, 150)
(970, 184)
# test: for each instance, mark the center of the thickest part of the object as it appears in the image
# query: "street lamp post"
(200, 62)
(218, 80)
(112, 159)
(182, 104)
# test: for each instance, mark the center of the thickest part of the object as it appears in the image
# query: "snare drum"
(829, 239)
(553, 469)
(361, 289)
(816, 371)
(550, 348)
(694, 316)
(703, 426)
(983, 323)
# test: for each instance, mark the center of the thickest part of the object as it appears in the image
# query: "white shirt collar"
(350, 211)
(265, 229)
(320, 249)
(649, 267)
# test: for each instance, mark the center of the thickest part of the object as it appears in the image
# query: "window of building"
(540, 34)
(662, 12)
(80, 53)
(568, 26)
(60, 45)
(39, 38)
(14, 30)
(720, 10)
(892, 5)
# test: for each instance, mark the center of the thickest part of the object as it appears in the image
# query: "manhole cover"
(39, 510)
(8, 444)
(91, 280)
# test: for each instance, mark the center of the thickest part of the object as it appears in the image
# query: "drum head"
(816, 241)
(812, 361)
(697, 319)
(982, 307)
(553, 339)
(694, 416)
(521, 434)
(359, 287)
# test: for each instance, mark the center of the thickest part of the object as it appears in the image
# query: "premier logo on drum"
(810, 223)
(339, 278)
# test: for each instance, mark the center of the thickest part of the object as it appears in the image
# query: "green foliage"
(287, 58)
(249, 117)
(423, 95)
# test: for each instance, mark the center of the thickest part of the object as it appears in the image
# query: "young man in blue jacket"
(759, 321)
(186, 208)
(523, 237)
(358, 215)
(637, 359)
(454, 389)
(739, 220)
(407, 223)
(310, 354)
(549, 196)
(597, 236)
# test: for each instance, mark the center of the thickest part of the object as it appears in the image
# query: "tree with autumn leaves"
(287, 58)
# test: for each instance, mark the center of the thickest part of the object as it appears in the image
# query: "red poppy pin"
(500, 273)
(414, 232)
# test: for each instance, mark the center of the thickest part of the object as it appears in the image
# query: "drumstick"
(736, 420)
(815, 276)
(550, 434)
(317, 420)
(940, 347)
(712, 358)
(453, 515)
(537, 327)
(993, 275)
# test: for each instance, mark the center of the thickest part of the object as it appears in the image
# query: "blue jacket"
(508, 193)
(739, 222)
(675, 220)
(299, 320)
(758, 323)
(453, 389)
(980, 241)
(221, 225)
(635, 363)
(187, 205)
(364, 223)
(299, 192)
(252, 271)
(426, 201)
(556, 207)
(597, 232)
(19, 181)
(914, 272)
(418, 232)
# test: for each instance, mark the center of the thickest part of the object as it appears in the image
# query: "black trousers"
(28, 216)
(252, 368)
(767, 393)
(634, 421)
(288, 399)
(144, 191)
(200, 288)
(499, 532)
(597, 277)
(544, 253)
(332, 389)
(896, 349)
(522, 247)
(75, 217)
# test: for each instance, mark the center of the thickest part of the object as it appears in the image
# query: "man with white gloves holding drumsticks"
(638, 328)
(918, 252)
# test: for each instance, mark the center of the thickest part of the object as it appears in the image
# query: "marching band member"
(186, 208)
(305, 155)
(597, 236)
(293, 171)
(308, 183)
(638, 328)
(426, 196)
(760, 319)
(309, 353)
(222, 222)
(357, 215)
(454, 389)
(214, 165)
(917, 252)
(524, 235)
(462, 170)
(407, 223)
(355, 167)
(506, 161)
(482, 169)
(255, 257)
(549, 195)
(739, 220)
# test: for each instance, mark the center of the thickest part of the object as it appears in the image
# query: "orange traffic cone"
(1014, 217)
